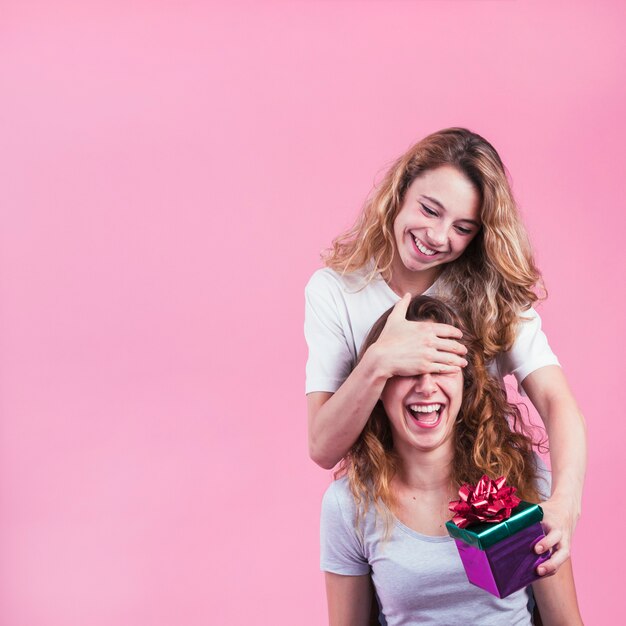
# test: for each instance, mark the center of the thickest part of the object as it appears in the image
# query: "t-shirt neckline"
(414, 533)
(431, 291)
(420, 536)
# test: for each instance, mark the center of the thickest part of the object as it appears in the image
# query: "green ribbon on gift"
(484, 535)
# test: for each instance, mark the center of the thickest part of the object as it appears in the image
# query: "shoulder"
(345, 306)
(342, 549)
(530, 340)
(338, 294)
(527, 326)
(529, 315)
(339, 498)
(323, 280)
(342, 508)
(328, 279)
(530, 350)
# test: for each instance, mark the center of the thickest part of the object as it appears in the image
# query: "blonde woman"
(442, 222)
(429, 434)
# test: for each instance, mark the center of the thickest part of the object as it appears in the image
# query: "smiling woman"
(421, 413)
(429, 434)
(443, 222)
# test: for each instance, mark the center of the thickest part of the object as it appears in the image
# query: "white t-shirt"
(419, 579)
(341, 309)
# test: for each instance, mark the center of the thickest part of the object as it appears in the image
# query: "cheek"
(461, 244)
(386, 397)
(398, 230)
(400, 222)
(392, 397)
(455, 393)
(391, 402)
(457, 408)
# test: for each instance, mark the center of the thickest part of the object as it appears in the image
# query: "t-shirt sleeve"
(330, 359)
(530, 350)
(341, 549)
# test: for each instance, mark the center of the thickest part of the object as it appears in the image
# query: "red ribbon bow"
(488, 501)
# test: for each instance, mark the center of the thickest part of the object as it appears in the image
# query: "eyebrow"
(443, 208)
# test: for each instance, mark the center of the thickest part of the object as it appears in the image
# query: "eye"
(462, 230)
(428, 210)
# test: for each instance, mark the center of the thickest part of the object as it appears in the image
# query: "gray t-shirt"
(418, 579)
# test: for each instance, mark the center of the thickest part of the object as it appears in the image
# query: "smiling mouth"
(423, 249)
(425, 414)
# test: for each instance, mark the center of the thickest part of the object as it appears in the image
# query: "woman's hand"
(407, 348)
(559, 522)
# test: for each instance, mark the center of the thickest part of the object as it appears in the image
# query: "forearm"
(556, 598)
(336, 424)
(549, 392)
(566, 431)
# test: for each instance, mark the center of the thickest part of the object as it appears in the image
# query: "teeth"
(424, 408)
(423, 249)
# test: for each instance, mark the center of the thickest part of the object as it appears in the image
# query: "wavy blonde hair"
(494, 280)
(489, 434)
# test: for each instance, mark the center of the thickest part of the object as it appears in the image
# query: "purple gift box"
(500, 557)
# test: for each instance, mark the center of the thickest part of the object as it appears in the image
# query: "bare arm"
(335, 420)
(403, 349)
(556, 598)
(549, 392)
(349, 600)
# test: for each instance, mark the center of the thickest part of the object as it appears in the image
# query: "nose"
(438, 234)
(425, 384)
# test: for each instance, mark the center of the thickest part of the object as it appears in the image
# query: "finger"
(447, 331)
(441, 368)
(401, 306)
(445, 358)
(551, 566)
(551, 540)
(450, 345)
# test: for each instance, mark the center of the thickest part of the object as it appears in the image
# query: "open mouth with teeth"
(425, 415)
(423, 249)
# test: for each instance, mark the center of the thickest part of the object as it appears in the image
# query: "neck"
(426, 471)
(406, 281)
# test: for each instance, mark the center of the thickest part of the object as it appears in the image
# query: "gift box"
(499, 556)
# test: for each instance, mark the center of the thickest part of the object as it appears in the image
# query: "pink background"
(170, 172)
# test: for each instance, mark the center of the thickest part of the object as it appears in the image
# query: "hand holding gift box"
(495, 533)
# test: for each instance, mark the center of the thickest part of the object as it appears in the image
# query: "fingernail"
(539, 548)
(541, 571)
